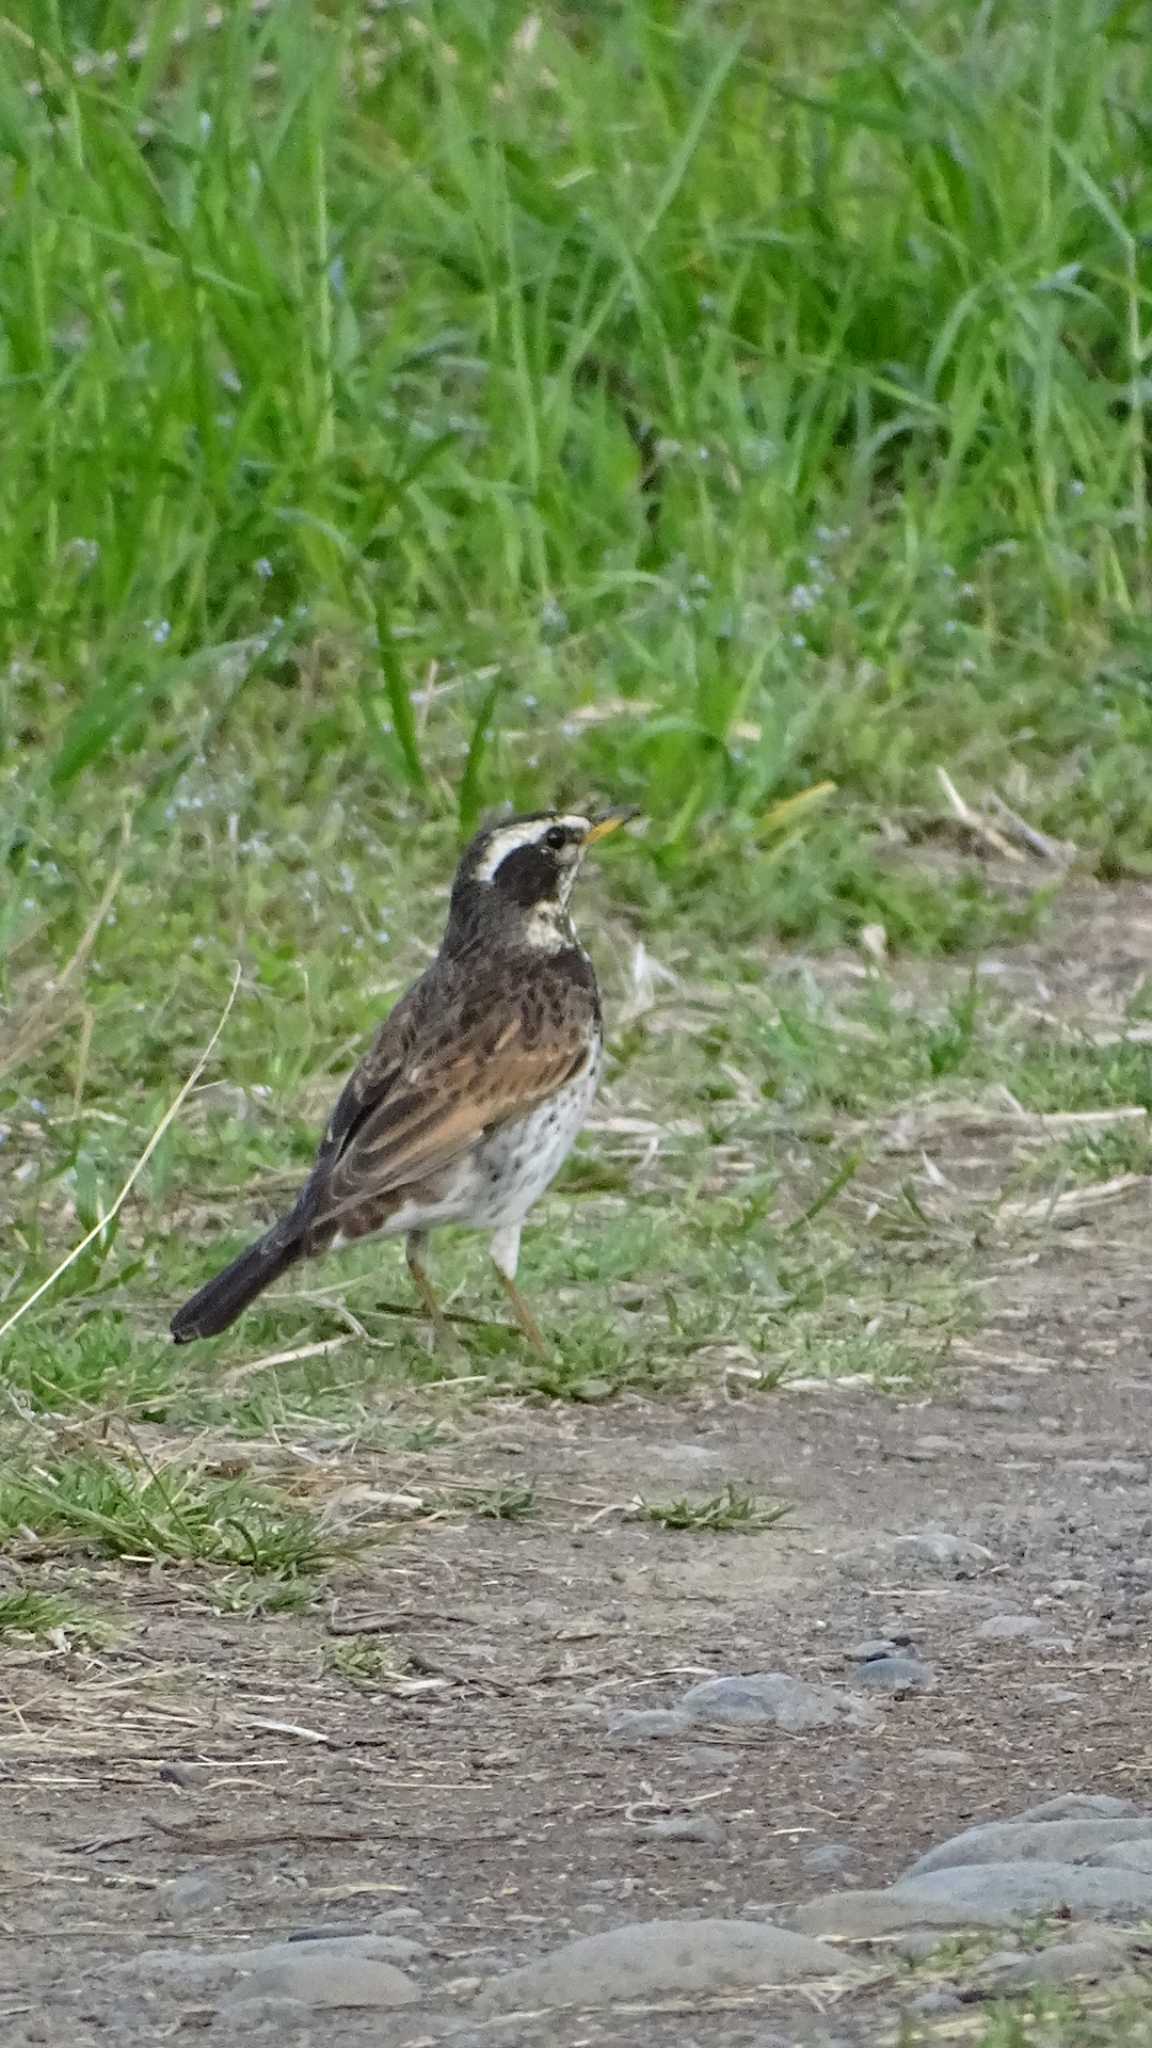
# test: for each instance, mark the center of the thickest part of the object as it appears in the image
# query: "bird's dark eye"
(556, 838)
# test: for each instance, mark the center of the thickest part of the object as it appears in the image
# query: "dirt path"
(491, 1804)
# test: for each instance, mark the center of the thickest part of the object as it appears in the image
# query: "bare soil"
(481, 1790)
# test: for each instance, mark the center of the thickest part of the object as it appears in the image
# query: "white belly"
(508, 1172)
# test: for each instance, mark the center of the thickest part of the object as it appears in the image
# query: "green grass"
(1052, 2019)
(116, 1505)
(729, 1509)
(368, 1666)
(25, 1612)
(770, 388)
(739, 412)
(513, 1502)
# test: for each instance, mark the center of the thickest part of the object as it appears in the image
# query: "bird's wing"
(421, 1098)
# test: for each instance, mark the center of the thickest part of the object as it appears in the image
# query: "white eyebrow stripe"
(507, 840)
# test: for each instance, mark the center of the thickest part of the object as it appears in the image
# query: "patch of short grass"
(25, 1612)
(371, 1666)
(1102, 1155)
(258, 1593)
(893, 1363)
(115, 1504)
(513, 1501)
(730, 1509)
(1089, 2018)
(64, 1365)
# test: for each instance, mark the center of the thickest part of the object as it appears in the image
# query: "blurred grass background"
(701, 401)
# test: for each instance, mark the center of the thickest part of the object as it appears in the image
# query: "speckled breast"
(512, 1168)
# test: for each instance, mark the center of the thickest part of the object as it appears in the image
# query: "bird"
(473, 1092)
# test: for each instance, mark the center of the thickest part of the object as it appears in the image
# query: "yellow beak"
(609, 821)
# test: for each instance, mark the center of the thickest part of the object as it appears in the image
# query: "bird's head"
(518, 875)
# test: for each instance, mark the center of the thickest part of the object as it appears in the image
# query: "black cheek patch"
(528, 876)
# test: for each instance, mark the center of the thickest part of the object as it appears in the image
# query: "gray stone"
(873, 1915)
(1014, 1628)
(931, 2005)
(329, 1974)
(403, 1950)
(772, 1697)
(947, 1759)
(943, 1547)
(1005, 1628)
(638, 1724)
(376, 1942)
(1110, 1468)
(1128, 1855)
(663, 1957)
(896, 1674)
(687, 1827)
(878, 1646)
(1019, 1841)
(1084, 1806)
(200, 1972)
(997, 1959)
(1060, 1964)
(340, 1930)
(333, 1972)
(917, 1943)
(192, 1896)
(829, 1856)
(1028, 1888)
(708, 1758)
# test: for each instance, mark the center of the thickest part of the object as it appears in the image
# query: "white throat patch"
(549, 929)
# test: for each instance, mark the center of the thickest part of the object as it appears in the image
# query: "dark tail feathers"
(215, 1306)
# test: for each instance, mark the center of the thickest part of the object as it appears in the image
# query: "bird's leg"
(504, 1250)
(413, 1252)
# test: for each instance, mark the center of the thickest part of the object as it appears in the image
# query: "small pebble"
(707, 1758)
(395, 1916)
(687, 1827)
(775, 1699)
(943, 1547)
(917, 1942)
(1008, 1628)
(637, 1724)
(829, 1856)
(195, 1893)
(877, 1646)
(176, 1774)
(340, 1930)
(1110, 1468)
(931, 2004)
